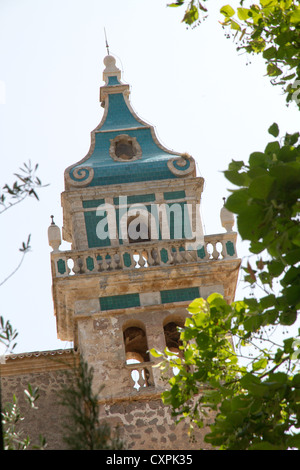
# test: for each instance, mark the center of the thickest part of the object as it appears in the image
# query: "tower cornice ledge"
(38, 361)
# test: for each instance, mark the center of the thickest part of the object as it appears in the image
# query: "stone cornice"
(38, 361)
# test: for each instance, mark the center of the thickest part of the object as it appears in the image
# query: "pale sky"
(200, 94)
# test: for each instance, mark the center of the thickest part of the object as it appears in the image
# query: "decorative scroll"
(80, 176)
(182, 166)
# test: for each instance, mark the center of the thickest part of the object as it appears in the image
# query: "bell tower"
(138, 257)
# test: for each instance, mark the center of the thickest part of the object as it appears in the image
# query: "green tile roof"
(119, 118)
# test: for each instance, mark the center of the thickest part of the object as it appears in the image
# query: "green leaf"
(294, 441)
(258, 159)
(201, 319)
(234, 25)
(239, 179)
(178, 4)
(261, 187)
(274, 130)
(215, 296)
(227, 11)
(295, 16)
(249, 222)
(155, 353)
(254, 385)
(273, 70)
(272, 148)
(270, 53)
(275, 267)
(196, 305)
(238, 200)
(235, 165)
(268, 301)
(260, 364)
(265, 445)
(243, 13)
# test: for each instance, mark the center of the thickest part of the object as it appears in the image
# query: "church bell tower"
(138, 257)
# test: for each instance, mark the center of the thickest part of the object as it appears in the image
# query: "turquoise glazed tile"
(114, 302)
(179, 295)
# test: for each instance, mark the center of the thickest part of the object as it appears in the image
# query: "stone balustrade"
(141, 376)
(142, 255)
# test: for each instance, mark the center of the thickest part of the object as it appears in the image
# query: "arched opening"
(136, 352)
(124, 149)
(172, 336)
(136, 346)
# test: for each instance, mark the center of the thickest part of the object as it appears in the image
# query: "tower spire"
(106, 43)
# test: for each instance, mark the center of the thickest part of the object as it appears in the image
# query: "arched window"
(135, 341)
(136, 352)
(172, 335)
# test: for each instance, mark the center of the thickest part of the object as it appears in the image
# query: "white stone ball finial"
(110, 68)
(227, 218)
(54, 236)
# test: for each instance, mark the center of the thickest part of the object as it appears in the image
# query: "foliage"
(268, 206)
(83, 430)
(11, 437)
(24, 186)
(7, 335)
(270, 28)
(11, 418)
(257, 405)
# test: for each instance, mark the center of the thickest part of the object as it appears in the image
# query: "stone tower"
(138, 258)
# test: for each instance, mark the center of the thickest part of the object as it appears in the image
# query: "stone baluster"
(114, 263)
(150, 259)
(141, 259)
(141, 380)
(207, 254)
(147, 377)
(223, 251)
(154, 256)
(106, 262)
(99, 263)
(215, 253)
(119, 260)
(174, 254)
(78, 265)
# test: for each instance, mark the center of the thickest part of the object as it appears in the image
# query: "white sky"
(192, 85)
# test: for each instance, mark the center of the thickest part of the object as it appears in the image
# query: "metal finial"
(52, 220)
(224, 200)
(106, 43)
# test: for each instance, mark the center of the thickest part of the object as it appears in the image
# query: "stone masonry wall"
(47, 419)
(148, 425)
(144, 423)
